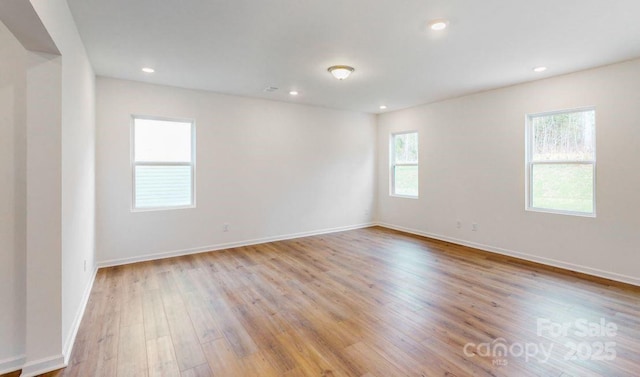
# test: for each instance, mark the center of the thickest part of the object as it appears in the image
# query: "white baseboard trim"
(37, 367)
(11, 364)
(71, 338)
(528, 257)
(204, 249)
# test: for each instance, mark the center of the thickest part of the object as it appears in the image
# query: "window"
(163, 163)
(404, 164)
(561, 162)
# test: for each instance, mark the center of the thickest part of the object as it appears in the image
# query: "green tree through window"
(404, 165)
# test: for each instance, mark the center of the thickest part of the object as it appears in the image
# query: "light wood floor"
(370, 302)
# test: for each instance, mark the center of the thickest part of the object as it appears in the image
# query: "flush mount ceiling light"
(439, 24)
(294, 92)
(148, 70)
(383, 107)
(340, 72)
(539, 69)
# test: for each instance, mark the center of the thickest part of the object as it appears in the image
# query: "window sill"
(155, 209)
(558, 212)
(404, 196)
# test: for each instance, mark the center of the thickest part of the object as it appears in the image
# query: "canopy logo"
(499, 350)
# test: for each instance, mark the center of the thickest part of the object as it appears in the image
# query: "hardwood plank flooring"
(369, 302)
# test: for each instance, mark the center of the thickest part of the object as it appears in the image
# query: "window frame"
(529, 163)
(393, 164)
(134, 163)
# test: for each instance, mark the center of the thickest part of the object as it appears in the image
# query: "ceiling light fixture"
(148, 70)
(294, 92)
(340, 72)
(383, 107)
(539, 69)
(439, 24)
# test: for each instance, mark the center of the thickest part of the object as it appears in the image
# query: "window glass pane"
(162, 141)
(162, 186)
(564, 137)
(406, 180)
(564, 187)
(405, 148)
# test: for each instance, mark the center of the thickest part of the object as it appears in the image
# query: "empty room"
(303, 188)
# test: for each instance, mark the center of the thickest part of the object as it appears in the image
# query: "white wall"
(269, 169)
(472, 169)
(78, 162)
(12, 199)
(48, 163)
(43, 213)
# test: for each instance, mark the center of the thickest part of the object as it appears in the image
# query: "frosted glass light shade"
(340, 72)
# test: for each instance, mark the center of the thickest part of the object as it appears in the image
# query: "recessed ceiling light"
(539, 69)
(148, 70)
(340, 72)
(439, 24)
(293, 92)
(383, 107)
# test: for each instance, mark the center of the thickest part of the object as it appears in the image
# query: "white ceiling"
(242, 46)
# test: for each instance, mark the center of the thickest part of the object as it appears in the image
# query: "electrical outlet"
(474, 227)
(225, 227)
(458, 224)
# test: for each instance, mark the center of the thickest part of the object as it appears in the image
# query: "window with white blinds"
(163, 163)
